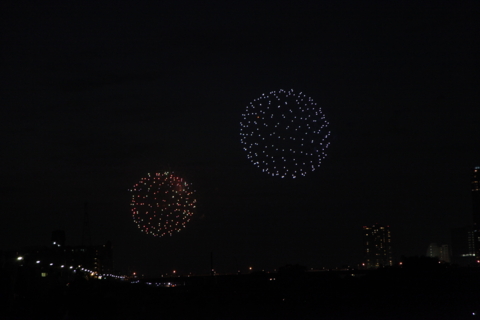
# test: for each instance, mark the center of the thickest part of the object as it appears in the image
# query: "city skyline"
(93, 100)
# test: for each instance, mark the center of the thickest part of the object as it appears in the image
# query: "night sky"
(95, 96)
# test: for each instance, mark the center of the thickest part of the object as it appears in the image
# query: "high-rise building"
(463, 246)
(442, 252)
(476, 195)
(466, 240)
(476, 209)
(378, 246)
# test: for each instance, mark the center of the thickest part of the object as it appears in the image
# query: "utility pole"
(86, 227)
(211, 264)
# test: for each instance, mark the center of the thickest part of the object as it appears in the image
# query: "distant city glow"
(285, 134)
(162, 204)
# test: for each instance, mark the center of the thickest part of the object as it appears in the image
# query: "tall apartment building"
(442, 252)
(377, 246)
(476, 209)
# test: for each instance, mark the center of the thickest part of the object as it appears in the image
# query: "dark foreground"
(451, 293)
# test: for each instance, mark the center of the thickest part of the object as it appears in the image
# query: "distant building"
(463, 246)
(476, 209)
(38, 270)
(476, 195)
(466, 240)
(96, 258)
(442, 252)
(378, 247)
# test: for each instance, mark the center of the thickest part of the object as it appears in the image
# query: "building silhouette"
(463, 246)
(476, 209)
(377, 246)
(466, 240)
(476, 195)
(442, 252)
(58, 258)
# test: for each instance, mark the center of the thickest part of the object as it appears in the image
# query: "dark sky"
(96, 96)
